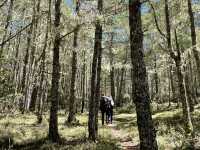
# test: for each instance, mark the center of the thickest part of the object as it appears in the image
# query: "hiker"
(103, 108)
(110, 106)
(106, 107)
(109, 103)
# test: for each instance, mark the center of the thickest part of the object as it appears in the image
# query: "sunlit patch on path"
(125, 141)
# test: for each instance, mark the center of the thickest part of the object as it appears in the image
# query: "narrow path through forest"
(124, 139)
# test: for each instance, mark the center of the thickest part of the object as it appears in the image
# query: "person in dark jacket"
(110, 105)
(103, 108)
(107, 109)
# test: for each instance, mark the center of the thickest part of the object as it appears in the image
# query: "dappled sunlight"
(29, 135)
(24, 131)
(99, 74)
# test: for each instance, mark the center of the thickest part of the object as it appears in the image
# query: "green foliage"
(24, 132)
(129, 108)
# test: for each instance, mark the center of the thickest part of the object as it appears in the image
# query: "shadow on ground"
(44, 144)
(83, 144)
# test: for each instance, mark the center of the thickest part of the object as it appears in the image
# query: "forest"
(99, 74)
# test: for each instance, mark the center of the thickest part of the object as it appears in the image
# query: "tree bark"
(182, 91)
(193, 38)
(172, 82)
(141, 98)
(192, 79)
(83, 83)
(16, 62)
(33, 98)
(98, 84)
(105, 85)
(156, 80)
(35, 27)
(26, 62)
(177, 58)
(112, 69)
(188, 90)
(42, 66)
(8, 19)
(120, 96)
(95, 79)
(24, 71)
(54, 95)
(71, 116)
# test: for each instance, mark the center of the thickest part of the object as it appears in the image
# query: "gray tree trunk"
(54, 95)
(141, 98)
(95, 79)
(193, 38)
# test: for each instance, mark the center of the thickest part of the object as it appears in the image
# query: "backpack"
(102, 104)
(108, 104)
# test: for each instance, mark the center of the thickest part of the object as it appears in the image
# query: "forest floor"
(22, 132)
(125, 141)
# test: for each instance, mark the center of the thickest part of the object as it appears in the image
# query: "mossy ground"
(24, 132)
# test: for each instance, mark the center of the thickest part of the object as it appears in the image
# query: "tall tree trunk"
(33, 98)
(172, 82)
(194, 39)
(169, 90)
(192, 79)
(71, 116)
(8, 19)
(35, 27)
(83, 83)
(185, 105)
(42, 78)
(16, 62)
(120, 95)
(26, 62)
(98, 85)
(117, 85)
(95, 79)
(112, 69)
(53, 123)
(24, 71)
(72, 103)
(122, 73)
(105, 85)
(177, 59)
(188, 90)
(183, 93)
(156, 80)
(171, 86)
(33, 65)
(146, 129)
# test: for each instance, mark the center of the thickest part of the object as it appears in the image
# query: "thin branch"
(63, 36)
(72, 31)
(20, 31)
(156, 20)
(13, 36)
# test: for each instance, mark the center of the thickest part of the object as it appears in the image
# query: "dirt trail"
(125, 141)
